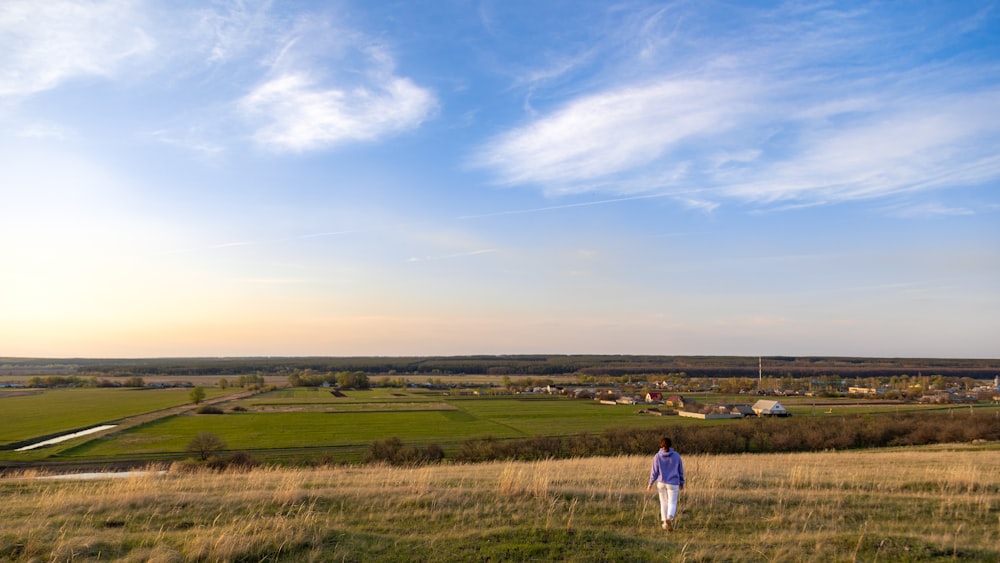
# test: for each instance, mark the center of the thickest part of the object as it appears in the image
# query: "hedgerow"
(751, 435)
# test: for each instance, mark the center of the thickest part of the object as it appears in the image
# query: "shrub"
(208, 409)
(765, 435)
(393, 452)
(205, 444)
(235, 461)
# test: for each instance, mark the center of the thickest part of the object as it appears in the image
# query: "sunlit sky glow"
(243, 178)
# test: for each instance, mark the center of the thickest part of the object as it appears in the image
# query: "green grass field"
(297, 418)
(304, 424)
(45, 412)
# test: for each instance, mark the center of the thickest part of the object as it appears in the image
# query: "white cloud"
(296, 112)
(938, 143)
(797, 108)
(927, 209)
(731, 139)
(598, 136)
(299, 81)
(47, 43)
(327, 85)
(43, 130)
(236, 26)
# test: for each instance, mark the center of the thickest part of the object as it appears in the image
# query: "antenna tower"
(760, 372)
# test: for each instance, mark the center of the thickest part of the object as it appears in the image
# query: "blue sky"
(457, 177)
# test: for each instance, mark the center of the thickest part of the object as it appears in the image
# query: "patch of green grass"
(559, 416)
(315, 422)
(54, 411)
(294, 418)
(251, 431)
(302, 395)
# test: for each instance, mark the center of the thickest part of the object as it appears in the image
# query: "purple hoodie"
(667, 468)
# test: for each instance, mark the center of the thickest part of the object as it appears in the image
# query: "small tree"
(205, 444)
(197, 395)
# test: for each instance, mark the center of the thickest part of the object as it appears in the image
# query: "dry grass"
(912, 504)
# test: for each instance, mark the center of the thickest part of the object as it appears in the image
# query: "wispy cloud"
(451, 256)
(44, 130)
(236, 26)
(48, 43)
(303, 105)
(815, 107)
(927, 209)
(193, 141)
(297, 112)
(564, 206)
(939, 142)
(299, 82)
(597, 137)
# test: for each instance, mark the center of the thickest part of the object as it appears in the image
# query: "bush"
(205, 444)
(234, 461)
(764, 435)
(392, 451)
(208, 409)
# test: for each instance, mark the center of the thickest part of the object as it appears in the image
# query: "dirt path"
(145, 418)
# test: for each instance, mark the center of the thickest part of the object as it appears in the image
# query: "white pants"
(668, 500)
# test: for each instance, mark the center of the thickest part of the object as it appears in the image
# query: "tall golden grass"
(919, 504)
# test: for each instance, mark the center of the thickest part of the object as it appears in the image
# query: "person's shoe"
(669, 525)
(664, 525)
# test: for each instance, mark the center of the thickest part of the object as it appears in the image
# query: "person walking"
(668, 474)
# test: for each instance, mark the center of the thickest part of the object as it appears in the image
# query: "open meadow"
(932, 503)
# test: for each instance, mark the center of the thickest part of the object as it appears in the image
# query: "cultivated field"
(306, 425)
(28, 414)
(939, 503)
(345, 427)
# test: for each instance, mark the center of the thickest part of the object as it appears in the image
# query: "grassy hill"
(908, 504)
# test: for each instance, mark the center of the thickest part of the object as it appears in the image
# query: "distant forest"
(528, 365)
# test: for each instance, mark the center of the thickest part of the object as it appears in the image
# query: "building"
(769, 408)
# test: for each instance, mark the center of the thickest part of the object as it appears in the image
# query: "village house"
(769, 408)
(677, 401)
(712, 412)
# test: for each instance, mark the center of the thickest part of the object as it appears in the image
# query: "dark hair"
(665, 443)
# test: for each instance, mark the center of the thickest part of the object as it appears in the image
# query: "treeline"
(53, 381)
(766, 435)
(343, 379)
(529, 365)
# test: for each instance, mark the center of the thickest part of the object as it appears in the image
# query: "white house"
(769, 408)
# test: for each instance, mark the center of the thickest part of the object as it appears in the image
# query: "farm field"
(303, 419)
(28, 414)
(310, 425)
(938, 503)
